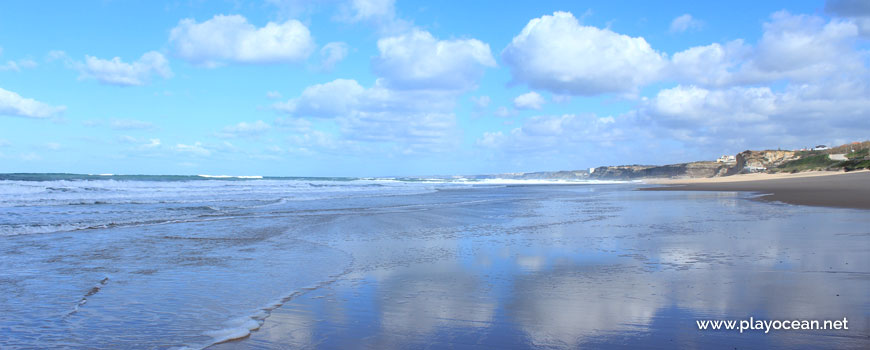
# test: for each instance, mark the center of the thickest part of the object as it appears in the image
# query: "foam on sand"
(242, 327)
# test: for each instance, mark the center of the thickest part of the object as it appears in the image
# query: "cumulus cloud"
(417, 60)
(410, 106)
(417, 119)
(325, 100)
(684, 23)
(331, 54)
(760, 116)
(223, 39)
(12, 104)
(117, 72)
(856, 10)
(691, 105)
(710, 65)
(529, 100)
(798, 48)
(558, 54)
(804, 47)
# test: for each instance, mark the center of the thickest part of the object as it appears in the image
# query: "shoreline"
(825, 189)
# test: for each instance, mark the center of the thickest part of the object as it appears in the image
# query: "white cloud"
(491, 139)
(711, 65)
(232, 39)
(804, 47)
(529, 100)
(856, 10)
(245, 129)
(554, 134)
(331, 54)
(803, 83)
(195, 149)
(417, 60)
(325, 100)
(409, 108)
(684, 23)
(558, 54)
(380, 13)
(13, 104)
(363, 10)
(699, 107)
(142, 144)
(117, 72)
(152, 143)
(761, 117)
(273, 94)
(17, 66)
(798, 48)
(416, 119)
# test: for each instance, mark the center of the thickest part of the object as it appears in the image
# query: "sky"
(414, 88)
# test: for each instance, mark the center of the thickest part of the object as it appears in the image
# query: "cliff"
(753, 161)
(682, 170)
(855, 155)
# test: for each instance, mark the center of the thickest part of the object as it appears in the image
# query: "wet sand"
(600, 267)
(827, 189)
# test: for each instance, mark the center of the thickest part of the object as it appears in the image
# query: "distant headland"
(847, 157)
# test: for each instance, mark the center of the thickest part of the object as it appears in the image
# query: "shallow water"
(422, 265)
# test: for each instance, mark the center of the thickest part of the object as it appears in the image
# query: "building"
(820, 148)
(726, 159)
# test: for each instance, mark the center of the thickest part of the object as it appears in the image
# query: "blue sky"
(380, 88)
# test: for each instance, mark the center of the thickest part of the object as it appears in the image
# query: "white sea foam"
(502, 181)
(231, 176)
(70, 204)
(236, 329)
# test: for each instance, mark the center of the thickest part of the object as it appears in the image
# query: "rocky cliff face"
(758, 160)
(683, 170)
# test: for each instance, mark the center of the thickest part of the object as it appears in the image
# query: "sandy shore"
(829, 189)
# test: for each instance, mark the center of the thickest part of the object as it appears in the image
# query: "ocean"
(173, 262)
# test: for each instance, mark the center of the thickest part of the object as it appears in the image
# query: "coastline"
(826, 189)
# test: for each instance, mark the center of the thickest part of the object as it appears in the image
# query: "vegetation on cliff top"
(810, 160)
